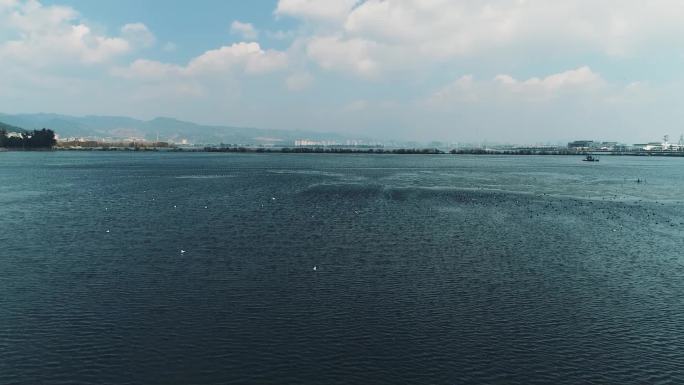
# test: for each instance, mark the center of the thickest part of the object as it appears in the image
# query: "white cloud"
(299, 81)
(8, 3)
(411, 34)
(638, 93)
(466, 26)
(335, 53)
(246, 58)
(245, 30)
(149, 70)
(42, 36)
(462, 90)
(505, 87)
(249, 56)
(582, 78)
(138, 34)
(78, 41)
(316, 10)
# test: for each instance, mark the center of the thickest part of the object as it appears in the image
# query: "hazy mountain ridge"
(166, 129)
(10, 128)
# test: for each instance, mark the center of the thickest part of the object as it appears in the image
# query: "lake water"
(429, 269)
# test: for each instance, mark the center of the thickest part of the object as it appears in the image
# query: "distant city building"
(350, 143)
(608, 146)
(311, 143)
(622, 148)
(582, 145)
(665, 145)
(539, 147)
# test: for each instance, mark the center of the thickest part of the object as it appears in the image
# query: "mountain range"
(9, 128)
(165, 129)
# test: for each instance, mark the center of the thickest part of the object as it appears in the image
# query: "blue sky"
(454, 70)
(193, 26)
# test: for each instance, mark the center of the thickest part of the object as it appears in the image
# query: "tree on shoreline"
(44, 138)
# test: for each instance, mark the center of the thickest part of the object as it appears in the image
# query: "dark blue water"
(430, 269)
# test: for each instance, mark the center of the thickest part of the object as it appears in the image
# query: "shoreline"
(374, 151)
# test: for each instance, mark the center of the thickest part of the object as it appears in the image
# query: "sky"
(516, 71)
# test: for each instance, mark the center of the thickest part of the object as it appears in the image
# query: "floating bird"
(182, 251)
(107, 231)
(315, 268)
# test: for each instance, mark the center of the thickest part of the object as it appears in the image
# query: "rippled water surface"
(430, 269)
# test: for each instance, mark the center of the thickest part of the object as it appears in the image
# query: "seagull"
(182, 251)
(315, 268)
(107, 231)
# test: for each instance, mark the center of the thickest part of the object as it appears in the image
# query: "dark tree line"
(37, 139)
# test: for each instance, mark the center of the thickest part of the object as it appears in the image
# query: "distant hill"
(167, 129)
(10, 128)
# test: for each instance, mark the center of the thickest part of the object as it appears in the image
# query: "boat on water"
(590, 158)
